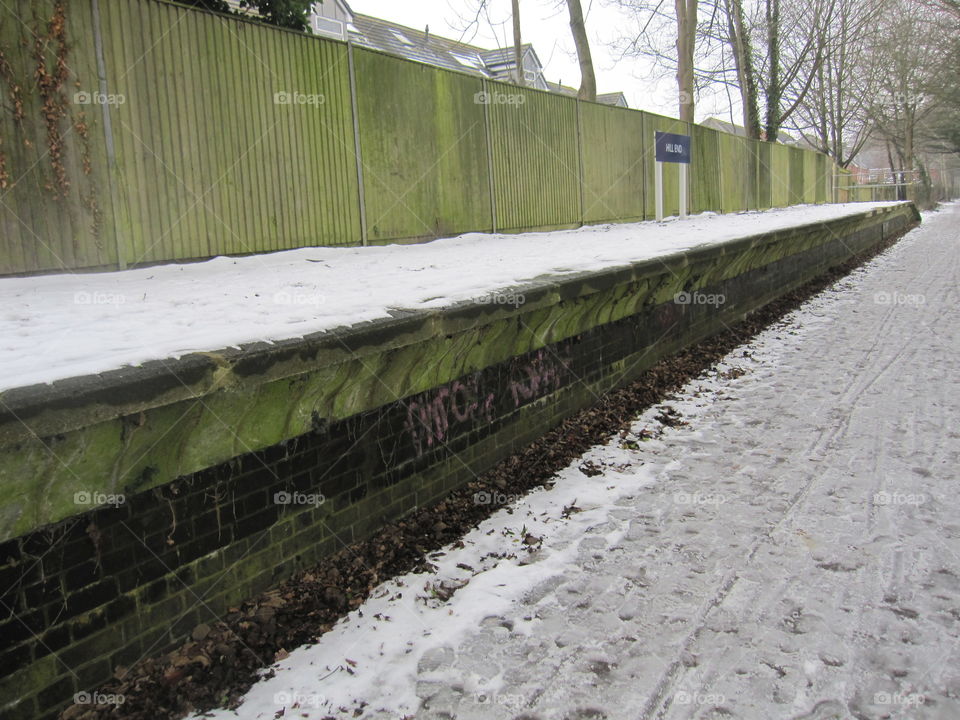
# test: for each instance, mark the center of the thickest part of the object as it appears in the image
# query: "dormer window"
(328, 27)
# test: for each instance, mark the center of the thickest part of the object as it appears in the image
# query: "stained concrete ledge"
(134, 428)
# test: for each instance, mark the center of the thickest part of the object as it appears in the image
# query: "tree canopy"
(292, 14)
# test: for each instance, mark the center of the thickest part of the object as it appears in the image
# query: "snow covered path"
(59, 326)
(792, 552)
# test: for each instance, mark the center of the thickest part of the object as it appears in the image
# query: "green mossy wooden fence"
(175, 134)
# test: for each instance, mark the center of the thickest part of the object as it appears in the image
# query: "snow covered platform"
(289, 404)
(63, 326)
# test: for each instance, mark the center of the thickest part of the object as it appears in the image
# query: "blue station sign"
(673, 148)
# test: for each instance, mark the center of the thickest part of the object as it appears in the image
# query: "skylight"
(401, 37)
(468, 60)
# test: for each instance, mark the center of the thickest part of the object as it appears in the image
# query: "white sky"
(545, 23)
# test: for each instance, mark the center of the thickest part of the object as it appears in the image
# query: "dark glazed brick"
(20, 627)
(87, 625)
(91, 597)
(357, 494)
(202, 546)
(79, 576)
(150, 570)
(56, 694)
(26, 709)
(43, 593)
(155, 591)
(116, 561)
(94, 674)
(53, 640)
(13, 660)
(257, 523)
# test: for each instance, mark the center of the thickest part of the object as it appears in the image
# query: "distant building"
(784, 138)
(617, 99)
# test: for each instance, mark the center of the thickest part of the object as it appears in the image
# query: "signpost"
(672, 148)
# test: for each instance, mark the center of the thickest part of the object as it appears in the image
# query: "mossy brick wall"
(105, 587)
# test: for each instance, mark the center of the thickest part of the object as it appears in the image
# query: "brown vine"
(50, 81)
(4, 175)
(16, 100)
(51, 73)
(89, 201)
(13, 88)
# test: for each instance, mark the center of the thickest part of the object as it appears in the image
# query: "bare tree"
(912, 59)
(686, 46)
(477, 14)
(796, 43)
(653, 24)
(743, 57)
(588, 79)
(834, 113)
(950, 6)
(517, 43)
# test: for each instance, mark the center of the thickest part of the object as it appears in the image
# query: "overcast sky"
(545, 23)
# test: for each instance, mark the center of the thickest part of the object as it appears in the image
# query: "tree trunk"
(517, 44)
(774, 91)
(743, 59)
(588, 80)
(686, 41)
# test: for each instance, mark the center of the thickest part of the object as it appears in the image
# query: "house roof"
(613, 98)
(415, 44)
(617, 99)
(426, 47)
(783, 138)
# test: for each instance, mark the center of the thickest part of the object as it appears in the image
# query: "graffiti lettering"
(430, 414)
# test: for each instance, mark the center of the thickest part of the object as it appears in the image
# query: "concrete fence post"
(580, 179)
(488, 130)
(361, 191)
(107, 133)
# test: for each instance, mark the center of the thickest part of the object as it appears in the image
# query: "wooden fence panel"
(232, 137)
(535, 158)
(424, 149)
(613, 183)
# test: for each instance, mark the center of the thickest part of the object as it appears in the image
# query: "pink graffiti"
(436, 415)
(542, 374)
(431, 415)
